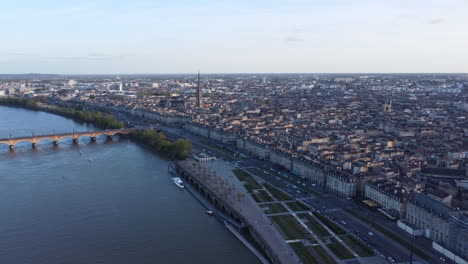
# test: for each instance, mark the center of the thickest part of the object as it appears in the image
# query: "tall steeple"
(199, 93)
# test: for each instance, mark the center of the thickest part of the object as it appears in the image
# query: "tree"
(240, 195)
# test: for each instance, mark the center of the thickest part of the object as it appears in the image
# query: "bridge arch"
(120, 133)
(14, 142)
(57, 137)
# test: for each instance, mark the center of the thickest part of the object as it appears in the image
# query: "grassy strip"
(314, 192)
(251, 183)
(340, 251)
(303, 253)
(361, 249)
(314, 225)
(326, 258)
(389, 234)
(336, 229)
(262, 196)
(297, 206)
(222, 149)
(279, 195)
(274, 208)
(288, 226)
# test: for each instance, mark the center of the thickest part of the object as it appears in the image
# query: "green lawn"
(336, 229)
(354, 243)
(325, 257)
(251, 184)
(225, 150)
(340, 251)
(289, 227)
(278, 194)
(303, 253)
(298, 206)
(262, 196)
(314, 225)
(274, 208)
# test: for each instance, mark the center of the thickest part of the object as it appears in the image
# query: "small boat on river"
(209, 212)
(178, 182)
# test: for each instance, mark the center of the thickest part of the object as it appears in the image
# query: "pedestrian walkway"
(320, 242)
(287, 213)
(219, 178)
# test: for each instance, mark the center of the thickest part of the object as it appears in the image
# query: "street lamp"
(411, 248)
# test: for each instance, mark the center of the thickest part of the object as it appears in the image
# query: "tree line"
(158, 142)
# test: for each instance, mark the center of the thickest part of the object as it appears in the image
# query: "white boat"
(178, 182)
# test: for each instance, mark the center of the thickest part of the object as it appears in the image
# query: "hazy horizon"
(243, 73)
(224, 37)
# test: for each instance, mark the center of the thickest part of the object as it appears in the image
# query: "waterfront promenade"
(219, 178)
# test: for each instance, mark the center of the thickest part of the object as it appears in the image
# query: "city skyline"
(104, 37)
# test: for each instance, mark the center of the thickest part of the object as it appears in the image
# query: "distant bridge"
(57, 137)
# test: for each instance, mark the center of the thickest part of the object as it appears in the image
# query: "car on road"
(343, 222)
(370, 233)
(391, 259)
(298, 192)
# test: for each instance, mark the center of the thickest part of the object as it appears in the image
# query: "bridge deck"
(97, 132)
(34, 139)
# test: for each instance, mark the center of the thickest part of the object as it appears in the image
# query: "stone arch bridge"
(57, 137)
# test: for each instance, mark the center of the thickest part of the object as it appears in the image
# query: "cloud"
(294, 39)
(436, 21)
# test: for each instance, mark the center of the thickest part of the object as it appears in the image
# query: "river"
(104, 202)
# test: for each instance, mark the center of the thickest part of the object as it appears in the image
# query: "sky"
(241, 36)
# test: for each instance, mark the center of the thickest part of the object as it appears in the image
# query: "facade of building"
(458, 234)
(390, 198)
(341, 183)
(314, 171)
(430, 217)
(281, 158)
